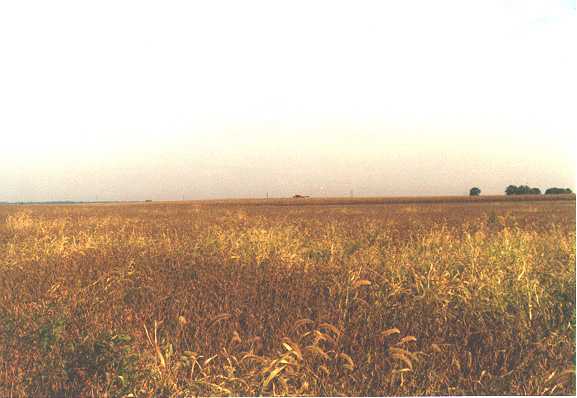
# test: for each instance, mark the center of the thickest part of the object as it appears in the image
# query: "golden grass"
(229, 299)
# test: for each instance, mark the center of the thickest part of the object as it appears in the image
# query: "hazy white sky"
(121, 100)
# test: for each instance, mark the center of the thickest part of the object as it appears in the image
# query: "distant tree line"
(557, 191)
(522, 190)
(527, 190)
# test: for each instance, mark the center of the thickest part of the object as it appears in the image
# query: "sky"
(165, 100)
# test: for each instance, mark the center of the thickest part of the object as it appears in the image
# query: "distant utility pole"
(267, 196)
(352, 194)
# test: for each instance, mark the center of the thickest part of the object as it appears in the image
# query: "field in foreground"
(175, 300)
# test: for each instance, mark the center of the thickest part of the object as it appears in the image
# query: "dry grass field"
(429, 297)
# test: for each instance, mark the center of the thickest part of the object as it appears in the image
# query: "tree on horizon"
(475, 191)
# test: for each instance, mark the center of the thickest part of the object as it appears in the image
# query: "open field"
(378, 200)
(407, 297)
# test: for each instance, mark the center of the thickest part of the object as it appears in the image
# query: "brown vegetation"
(410, 298)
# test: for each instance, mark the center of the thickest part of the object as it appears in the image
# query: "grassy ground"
(229, 299)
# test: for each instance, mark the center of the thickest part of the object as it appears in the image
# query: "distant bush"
(522, 190)
(557, 191)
